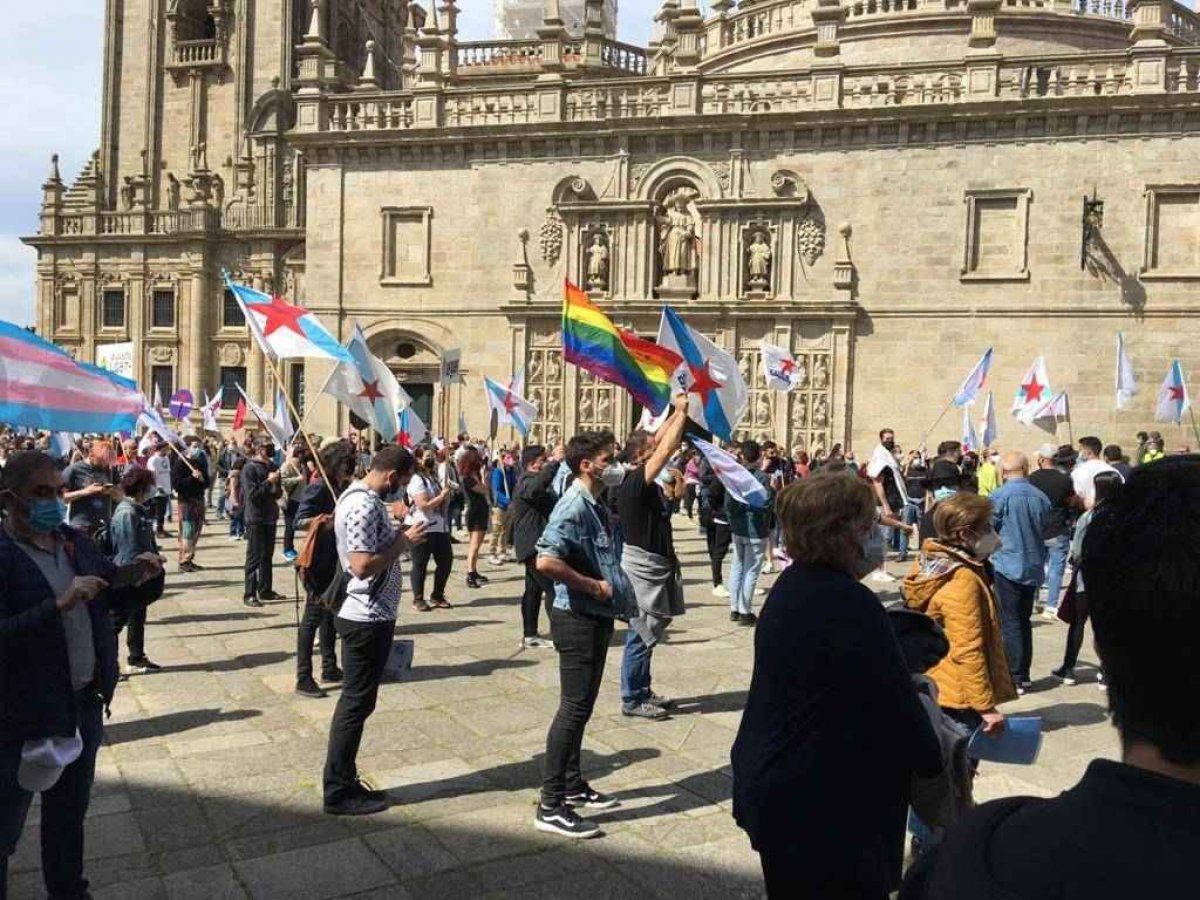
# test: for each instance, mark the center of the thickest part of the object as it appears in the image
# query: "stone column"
(199, 333)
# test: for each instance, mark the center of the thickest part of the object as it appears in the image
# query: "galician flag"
(209, 412)
(975, 381)
(970, 440)
(710, 374)
(278, 432)
(990, 432)
(741, 485)
(368, 387)
(780, 369)
(412, 429)
(1126, 382)
(152, 420)
(510, 407)
(1033, 393)
(1055, 410)
(285, 331)
(517, 385)
(1173, 399)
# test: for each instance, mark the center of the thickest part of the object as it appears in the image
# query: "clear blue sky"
(50, 92)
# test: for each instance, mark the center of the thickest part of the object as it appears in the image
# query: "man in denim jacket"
(590, 591)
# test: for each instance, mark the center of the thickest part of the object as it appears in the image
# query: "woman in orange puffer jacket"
(950, 584)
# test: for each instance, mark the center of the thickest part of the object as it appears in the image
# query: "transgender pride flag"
(41, 386)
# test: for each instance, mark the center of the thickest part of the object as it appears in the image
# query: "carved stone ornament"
(810, 239)
(638, 171)
(162, 354)
(231, 354)
(550, 237)
(724, 172)
(786, 183)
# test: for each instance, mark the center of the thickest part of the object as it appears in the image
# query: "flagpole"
(1195, 427)
(271, 362)
(941, 416)
(328, 378)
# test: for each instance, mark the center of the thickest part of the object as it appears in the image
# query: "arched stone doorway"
(416, 363)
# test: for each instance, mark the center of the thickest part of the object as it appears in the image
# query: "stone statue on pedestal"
(678, 243)
(758, 260)
(597, 269)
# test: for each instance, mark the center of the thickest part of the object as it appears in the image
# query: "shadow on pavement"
(1063, 715)
(172, 723)
(475, 669)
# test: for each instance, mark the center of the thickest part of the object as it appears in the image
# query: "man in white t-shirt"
(159, 462)
(1090, 464)
(430, 503)
(369, 548)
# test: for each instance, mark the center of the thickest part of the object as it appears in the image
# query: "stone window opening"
(231, 312)
(194, 21)
(162, 308)
(112, 308)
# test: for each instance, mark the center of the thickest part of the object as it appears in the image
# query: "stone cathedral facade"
(886, 187)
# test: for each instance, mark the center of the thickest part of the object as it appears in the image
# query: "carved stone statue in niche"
(597, 265)
(758, 262)
(762, 410)
(820, 414)
(678, 243)
(820, 373)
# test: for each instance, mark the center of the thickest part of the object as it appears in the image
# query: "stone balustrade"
(173, 221)
(197, 54)
(492, 55)
(623, 57)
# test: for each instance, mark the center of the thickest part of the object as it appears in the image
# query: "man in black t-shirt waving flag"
(649, 557)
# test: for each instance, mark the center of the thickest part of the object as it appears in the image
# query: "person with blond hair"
(949, 583)
(833, 731)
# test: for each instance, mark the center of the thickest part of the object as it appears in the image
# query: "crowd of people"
(855, 716)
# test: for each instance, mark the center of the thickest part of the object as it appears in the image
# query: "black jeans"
(718, 536)
(689, 499)
(788, 872)
(538, 589)
(260, 548)
(582, 645)
(160, 511)
(1016, 610)
(365, 649)
(64, 806)
(289, 525)
(317, 622)
(1076, 630)
(437, 546)
(134, 623)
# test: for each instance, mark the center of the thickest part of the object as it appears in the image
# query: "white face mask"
(987, 544)
(613, 475)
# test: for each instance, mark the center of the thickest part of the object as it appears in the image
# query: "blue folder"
(1019, 743)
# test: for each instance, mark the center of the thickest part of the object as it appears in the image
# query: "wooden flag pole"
(1195, 427)
(941, 415)
(1070, 429)
(271, 362)
(328, 379)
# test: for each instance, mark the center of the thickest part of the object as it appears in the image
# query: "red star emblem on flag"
(371, 390)
(787, 367)
(510, 402)
(1176, 393)
(279, 314)
(702, 382)
(1033, 390)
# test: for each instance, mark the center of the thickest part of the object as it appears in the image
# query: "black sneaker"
(140, 665)
(564, 821)
(356, 805)
(1065, 675)
(747, 619)
(733, 616)
(252, 601)
(643, 710)
(363, 789)
(333, 676)
(310, 688)
(272, 596)
(591, 799)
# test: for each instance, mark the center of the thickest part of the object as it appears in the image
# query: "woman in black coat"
(832, 732)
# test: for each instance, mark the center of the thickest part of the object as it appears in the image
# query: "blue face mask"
(47, 515)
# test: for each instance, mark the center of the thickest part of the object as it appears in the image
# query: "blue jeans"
(1015, 601)
(910, 515)
(63, 807)
(1056, 565)
(743, 573)
(635, 670)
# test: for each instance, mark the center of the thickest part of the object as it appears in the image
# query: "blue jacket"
(504, 479)
(132, 532)
(580, 535)
(36, 698)
(1020, 513)
(747, 522)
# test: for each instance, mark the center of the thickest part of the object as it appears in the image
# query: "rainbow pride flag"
(593, 343)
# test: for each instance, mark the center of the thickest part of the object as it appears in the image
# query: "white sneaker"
(760, 592)
(721, 591)
(1050, 613)
(537, 643)
(883, 577)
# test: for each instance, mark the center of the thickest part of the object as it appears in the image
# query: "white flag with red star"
(780, 368)
(1033, 393)
(366, 385)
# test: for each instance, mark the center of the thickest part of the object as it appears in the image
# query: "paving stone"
(314, 873)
